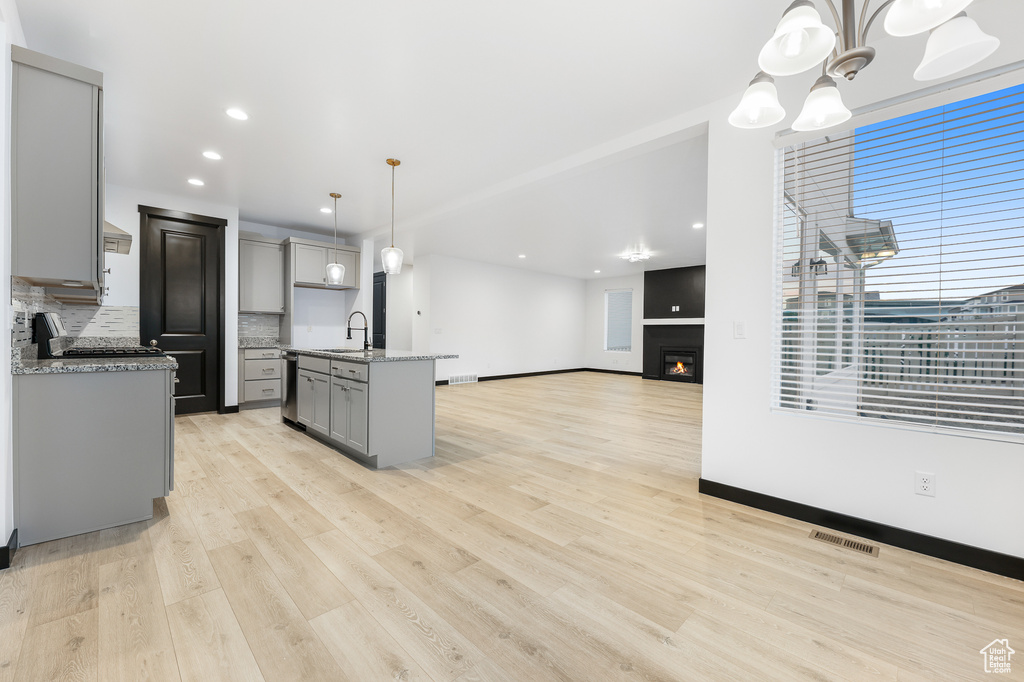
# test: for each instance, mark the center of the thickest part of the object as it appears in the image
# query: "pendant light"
(391, 256)
(823, 107)
(759, 106)
(955, 45)
(335, 270)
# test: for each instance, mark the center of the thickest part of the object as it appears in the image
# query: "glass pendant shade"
(800, 42)
(910, 17)
(823, 107)
(335, 273)
(954, 46)
(759, 107)
(391, 257)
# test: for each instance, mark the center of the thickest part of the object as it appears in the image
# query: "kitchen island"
(374, 406)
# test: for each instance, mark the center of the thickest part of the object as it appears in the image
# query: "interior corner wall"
(501, 320)
(400, 309)
(863, 470)
(122, 209)
(595, 356)
(10, 32)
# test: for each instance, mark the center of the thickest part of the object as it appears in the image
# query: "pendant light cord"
(335, 229)
(392, 207)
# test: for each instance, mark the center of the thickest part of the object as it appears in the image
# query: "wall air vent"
(462, 379)
(846, 543)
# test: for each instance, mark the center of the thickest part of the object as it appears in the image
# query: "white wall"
(10, 32)
(862, 470)
(594, 355)
(122, 209)
(400, 309)
(498, 320)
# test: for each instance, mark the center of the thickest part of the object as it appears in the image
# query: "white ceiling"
(468, 94)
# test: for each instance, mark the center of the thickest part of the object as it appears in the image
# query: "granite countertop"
(374, 355)
(257, 341)
(122, 364)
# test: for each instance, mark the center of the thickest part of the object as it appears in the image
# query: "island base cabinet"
(349, 424)
(82, 464)
(314, 398)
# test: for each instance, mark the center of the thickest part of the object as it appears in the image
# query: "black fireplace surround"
(672, 344)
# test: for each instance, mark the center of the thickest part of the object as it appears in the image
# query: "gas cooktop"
(134, 352)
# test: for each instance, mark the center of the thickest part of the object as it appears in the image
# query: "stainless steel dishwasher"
(289, 398)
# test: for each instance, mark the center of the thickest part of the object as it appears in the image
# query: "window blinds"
(619, 320)
(900, 269)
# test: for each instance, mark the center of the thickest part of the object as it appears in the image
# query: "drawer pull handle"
(268, 390)
(268, 370)
(353, 370)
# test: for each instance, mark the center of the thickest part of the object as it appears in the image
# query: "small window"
(618, 320)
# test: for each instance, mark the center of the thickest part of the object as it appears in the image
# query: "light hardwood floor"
(557, 535)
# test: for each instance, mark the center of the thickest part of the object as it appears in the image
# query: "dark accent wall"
(683, 287)
(671, 336)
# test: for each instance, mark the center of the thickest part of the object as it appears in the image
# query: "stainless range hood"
(116, 240)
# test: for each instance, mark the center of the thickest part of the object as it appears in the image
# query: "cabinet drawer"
(262, 353)
(322, 365)
(350, 370)
(262, 369)
(269, 389)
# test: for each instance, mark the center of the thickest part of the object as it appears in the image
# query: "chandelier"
(802, 41)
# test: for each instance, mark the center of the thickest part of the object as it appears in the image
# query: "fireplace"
(680, 364)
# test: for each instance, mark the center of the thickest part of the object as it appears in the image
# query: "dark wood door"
(181, 301)
(380, 298)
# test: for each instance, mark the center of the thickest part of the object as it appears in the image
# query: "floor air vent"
(462, 379)
(855, 545)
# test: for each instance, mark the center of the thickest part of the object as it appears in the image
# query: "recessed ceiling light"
(214, 156)
(325, 210)
(522, 255)
(697, 226)
(597, 272)
(237, 114)
(196, 181)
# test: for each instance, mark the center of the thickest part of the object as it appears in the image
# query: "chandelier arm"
(839, 25)
(864, 27)
(863, 17)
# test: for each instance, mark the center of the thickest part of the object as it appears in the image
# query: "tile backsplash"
(259, 325)
(81, 321)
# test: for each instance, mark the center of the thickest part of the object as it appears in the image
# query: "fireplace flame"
(680, 368)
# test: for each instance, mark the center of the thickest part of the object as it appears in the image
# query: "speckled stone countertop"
(375, 355)
(257, 341)
(122, 364)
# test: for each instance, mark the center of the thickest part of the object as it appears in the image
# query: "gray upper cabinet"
(310, 264)
(260, 276)
(309, 261)
(56, 176)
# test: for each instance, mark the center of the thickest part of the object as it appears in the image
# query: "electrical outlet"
(309, 328)
(924, 483)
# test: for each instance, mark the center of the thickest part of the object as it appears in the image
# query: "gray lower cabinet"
(314, 394)
(82, 464)
(259, 376)
(349, 422)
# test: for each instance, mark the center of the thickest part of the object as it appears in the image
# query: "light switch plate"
(739, 330)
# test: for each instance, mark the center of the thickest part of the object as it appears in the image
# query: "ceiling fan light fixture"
(759, 107)
(954, 46)
(823, 107)
(335, 270)
(801, 41)
(391, 257)
(910, 17)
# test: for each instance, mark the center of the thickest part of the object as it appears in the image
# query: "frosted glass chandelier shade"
(823, 107)
(759, 107)
(954, 46)
(391, 257)
(910, 17)
(801, 42)
(335, 272)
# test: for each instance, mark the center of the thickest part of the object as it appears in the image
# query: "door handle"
(152, 342)
(177, 380)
